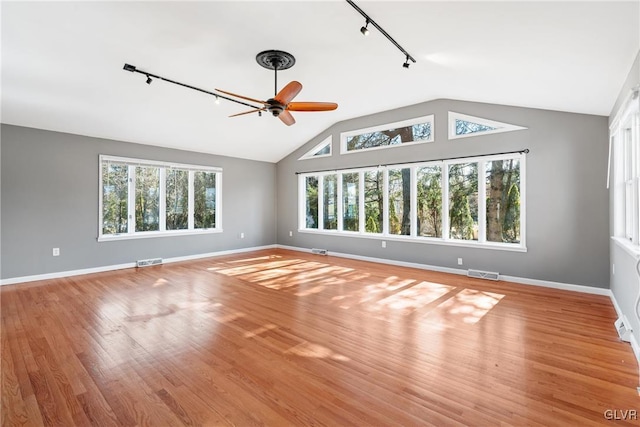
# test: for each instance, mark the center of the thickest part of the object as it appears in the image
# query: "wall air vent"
(319, 251)
(148, 262)
(489, 275)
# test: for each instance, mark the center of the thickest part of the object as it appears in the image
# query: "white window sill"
(151, 234)
(513, 247)
(627, 246)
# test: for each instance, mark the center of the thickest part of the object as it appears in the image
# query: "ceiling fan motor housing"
(274, 107)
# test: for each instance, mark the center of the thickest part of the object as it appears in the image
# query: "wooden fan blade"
(247, 112)
(312, 106)
(241, 97)
(286, 118)
(288, 92)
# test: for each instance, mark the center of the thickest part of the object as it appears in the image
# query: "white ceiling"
(62, 64)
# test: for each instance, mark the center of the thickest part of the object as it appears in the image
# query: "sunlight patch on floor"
(415, 297)
(160, 282)
(260, 267)
(316, 351)
(468, 306)
(260, 330)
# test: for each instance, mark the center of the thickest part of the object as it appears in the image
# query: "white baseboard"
(515, 279)
(60, 274)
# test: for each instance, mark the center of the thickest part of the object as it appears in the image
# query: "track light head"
(129, 67)
(406, 63)
(217, 101)
(149, 79)
(365, 30)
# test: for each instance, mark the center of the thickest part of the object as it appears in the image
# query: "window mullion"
(162, 220)
(361, 214)
(321, 202)
(482, 202)
(191, 201)
(131, 208)
(340, 202)
(413, 215)
(385, 201)
(445, 201)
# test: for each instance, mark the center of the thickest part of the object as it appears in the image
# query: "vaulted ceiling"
(62, 64)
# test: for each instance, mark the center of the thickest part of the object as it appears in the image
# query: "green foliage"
(204, 190)
(429, 201)
(115, 179)
(463, 195)
(311, 202)
(177, 201)
(147, 210)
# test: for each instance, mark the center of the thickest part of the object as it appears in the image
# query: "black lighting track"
(133, 69)
(525, 151)
(384, 33)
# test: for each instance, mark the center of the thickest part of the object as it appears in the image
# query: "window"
(323, 149)
(351, 201)
(470, 202)
(389, 135)
(626, 140)
(462, 126)
(141, 198)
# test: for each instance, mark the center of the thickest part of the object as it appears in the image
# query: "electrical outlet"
(290, 233)
(56, 251)
(459, 261)
(384, 244)
(242, 235)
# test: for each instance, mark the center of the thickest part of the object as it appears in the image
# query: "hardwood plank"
(278, 337)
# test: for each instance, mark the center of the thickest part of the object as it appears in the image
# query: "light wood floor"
(285, 338)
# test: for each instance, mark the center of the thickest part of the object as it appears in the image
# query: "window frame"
(500, 127)
(625, 139)
(132, 163)
(414, 237)
(328, 141)
(404, 123)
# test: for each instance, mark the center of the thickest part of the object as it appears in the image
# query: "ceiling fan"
(282, 102)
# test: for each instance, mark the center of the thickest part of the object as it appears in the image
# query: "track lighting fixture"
(133, 69)
(217, 101)
(365, 30)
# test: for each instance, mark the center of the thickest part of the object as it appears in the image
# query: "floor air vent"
(148, 262)
(489, 275)
(624, 328)
(319, 251)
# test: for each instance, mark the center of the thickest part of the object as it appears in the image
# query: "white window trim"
(328, 141)
(500, 126)
(162, 232)
(445, 239)
(387, 126)
(625, 140)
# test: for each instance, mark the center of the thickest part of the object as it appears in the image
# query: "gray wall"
(567, 202)
(624, 283)
(49, 198)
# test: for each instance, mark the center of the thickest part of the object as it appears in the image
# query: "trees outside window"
(115, 199)
(394, 134)
(177, 185)
(142, 198)
(475, 201)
